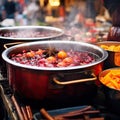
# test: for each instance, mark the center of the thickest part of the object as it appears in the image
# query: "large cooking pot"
(41, 82)
(29, 33)
(10, 36)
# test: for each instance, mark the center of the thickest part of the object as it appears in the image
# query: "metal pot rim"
(60, 32)
(108, 42)
(5, 52)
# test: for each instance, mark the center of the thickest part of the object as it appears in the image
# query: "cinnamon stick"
(24, 113)
(29, 112)
(91, 112)
(46, 114)
(81, 110)
(17, 108)
(75, 112)
(97, 118)
(85, 111)
(66, 115)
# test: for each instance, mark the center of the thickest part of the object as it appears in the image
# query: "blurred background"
(74, 16)
(29, 12)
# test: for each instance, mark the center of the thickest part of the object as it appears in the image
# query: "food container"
(29, 33)
(41, 82)
(10, 36)
(112, 93)
(113, 59)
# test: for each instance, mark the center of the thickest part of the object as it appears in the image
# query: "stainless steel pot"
(10, 36)
(15, 35)
(39, 82)
(113, 59)
(29, 33)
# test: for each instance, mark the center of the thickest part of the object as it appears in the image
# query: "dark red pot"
(41, 82)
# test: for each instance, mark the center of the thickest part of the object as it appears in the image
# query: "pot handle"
(75, 81)
(10, 44)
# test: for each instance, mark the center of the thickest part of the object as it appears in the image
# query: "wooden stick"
(46, 114)
(24, 113)
(29, 112)
(83, 111)
(66, 115)
(17, 108)
(97, 118)
(75, 112)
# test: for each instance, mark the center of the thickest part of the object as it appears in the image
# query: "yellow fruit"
(62, 54)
